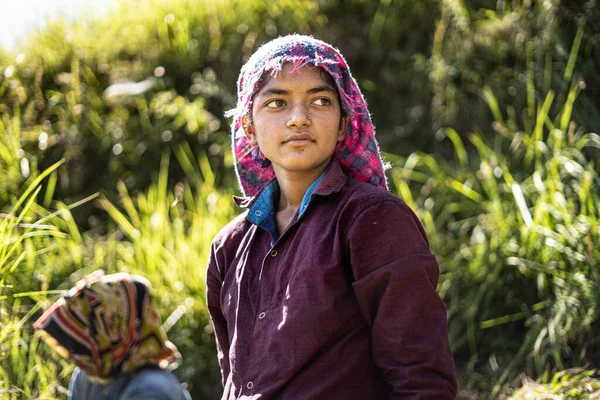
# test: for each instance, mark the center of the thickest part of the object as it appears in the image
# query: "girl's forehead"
(305, 76)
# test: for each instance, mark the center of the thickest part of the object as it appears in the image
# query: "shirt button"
(258, 213)
(261, 315)
(273, 253)
(250, 385)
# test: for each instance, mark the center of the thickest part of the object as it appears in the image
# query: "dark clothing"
(342, 306)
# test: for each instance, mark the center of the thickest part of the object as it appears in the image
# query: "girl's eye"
(322, 102)
(275, 104)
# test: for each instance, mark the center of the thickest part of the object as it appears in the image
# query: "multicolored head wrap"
(108, 325)
(358, 154)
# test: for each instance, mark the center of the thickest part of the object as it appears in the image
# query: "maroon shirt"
(342, 306)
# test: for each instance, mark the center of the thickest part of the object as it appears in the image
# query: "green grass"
(513, 218)
(27, 238)
(163, 234)
(574, 384)
(514, 221)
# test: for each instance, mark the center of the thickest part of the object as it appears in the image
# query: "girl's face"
(296, 120)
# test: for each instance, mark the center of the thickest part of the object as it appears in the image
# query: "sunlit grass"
(574, 384)
(163, 234)
(515, 224)
(513, 217)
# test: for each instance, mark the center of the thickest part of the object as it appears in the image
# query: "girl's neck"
(293, 187)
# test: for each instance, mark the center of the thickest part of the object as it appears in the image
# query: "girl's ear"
(249, 131)
(342, 129)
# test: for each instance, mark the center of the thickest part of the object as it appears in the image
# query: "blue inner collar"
(262, 212)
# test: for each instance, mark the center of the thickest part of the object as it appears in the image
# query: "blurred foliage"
(165, 235)
(575, 384)
(110, 94)
(519, 49)
(161, 234)
(24, 238)
(515, 226)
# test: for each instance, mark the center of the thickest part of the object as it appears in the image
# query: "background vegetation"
(114, 154)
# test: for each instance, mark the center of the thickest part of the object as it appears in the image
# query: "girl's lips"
(298, 141)
(299, 138)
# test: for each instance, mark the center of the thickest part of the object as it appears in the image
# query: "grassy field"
(162, 234)
(142, 181)
(513, 225)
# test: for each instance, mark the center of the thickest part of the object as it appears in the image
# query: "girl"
(324, 288)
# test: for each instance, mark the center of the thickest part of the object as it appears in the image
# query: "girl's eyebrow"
(273, 91)
(283, 92)
(324, 88)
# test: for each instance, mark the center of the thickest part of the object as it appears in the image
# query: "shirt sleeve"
(213, 301)
(395, 278)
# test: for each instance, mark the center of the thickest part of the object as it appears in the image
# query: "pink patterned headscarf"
(358, 153)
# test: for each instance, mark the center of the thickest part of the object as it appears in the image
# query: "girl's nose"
(299, 117)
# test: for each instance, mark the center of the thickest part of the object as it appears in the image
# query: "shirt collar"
(263, 205)
(331, 181)
(309, 192)
(263, 208)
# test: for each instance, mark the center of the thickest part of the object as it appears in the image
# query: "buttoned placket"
(271, 256)
(247, 384)
(273, 251)
(246, 387)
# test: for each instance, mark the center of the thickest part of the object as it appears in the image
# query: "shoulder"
(225, 245)
(363, 196)
(154, 384)
(79, 385)
(82, 388)
(377, 212)
(233, 231)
